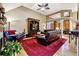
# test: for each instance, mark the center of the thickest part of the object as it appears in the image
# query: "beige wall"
(19, 17)
(74, 15)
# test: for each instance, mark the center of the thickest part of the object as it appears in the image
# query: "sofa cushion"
(11, 32)
(47, 35)
(20, 36)
(42, 40)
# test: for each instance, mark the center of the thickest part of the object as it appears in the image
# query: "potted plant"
(10, 49)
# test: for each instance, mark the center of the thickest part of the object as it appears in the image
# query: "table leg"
(75, 40)
(69, 38)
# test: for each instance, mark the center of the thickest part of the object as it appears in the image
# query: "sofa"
(20, 36)
(48, 39)
(10, 35)
(42, 40)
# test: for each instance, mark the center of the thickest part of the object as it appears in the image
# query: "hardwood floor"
(78, 47)
(68, 49)
(22, 53)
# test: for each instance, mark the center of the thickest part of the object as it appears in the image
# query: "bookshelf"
(2, 23)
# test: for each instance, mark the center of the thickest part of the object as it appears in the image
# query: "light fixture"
(42, 9)
(9, 19)
(57, 28)
(43, 6)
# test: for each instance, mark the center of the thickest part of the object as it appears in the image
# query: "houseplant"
(10, 49)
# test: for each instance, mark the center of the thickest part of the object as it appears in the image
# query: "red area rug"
(33, 48)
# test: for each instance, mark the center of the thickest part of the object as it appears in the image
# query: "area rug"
(33, 48)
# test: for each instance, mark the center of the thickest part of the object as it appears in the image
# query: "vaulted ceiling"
(54, 7)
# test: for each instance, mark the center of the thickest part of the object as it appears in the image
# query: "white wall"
(19, 17)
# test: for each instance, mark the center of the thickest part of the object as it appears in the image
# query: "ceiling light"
(43, 9)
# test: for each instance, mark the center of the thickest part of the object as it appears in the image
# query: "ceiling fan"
(43, 6)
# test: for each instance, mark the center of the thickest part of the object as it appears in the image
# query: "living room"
(30, 21)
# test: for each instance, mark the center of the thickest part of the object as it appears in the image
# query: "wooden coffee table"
(28, 38)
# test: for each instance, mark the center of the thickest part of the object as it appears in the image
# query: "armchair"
(9, 35)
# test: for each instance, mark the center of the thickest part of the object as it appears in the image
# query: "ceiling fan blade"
(46, 4)
(47, 8)
(39, 5)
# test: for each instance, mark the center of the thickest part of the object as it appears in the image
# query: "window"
(49, 25)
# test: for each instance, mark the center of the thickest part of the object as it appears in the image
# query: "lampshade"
(57, 28)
